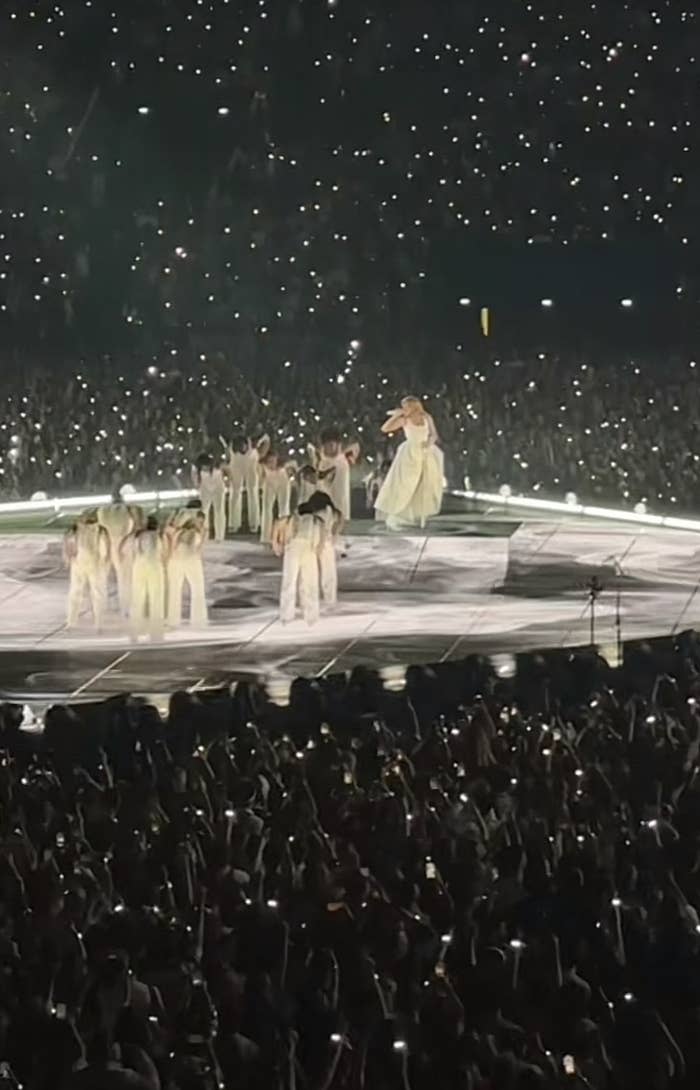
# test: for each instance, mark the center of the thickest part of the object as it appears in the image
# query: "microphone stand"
(595, 589)
(618, 624)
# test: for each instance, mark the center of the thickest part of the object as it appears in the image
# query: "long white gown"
(413, 487)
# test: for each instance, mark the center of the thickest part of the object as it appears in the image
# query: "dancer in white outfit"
(331, 520)
(298, 539)
(86, 551)
(184, 564)
(147, 611)
(209, 479)
(243, 472)
(412, 490)
(119, 520)
(333, 465)
(307, 483)
(276, 493)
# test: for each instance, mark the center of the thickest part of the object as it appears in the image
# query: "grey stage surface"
(468, 584)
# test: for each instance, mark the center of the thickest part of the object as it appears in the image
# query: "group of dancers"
(297, 511)
(152, 561)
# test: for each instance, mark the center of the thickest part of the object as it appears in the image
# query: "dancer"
(243, 472)
(119, 520)
(86, 552)
(412, 490)
(276, 492)
(333, 465)
(298, 539)
(307, 483)
(322, 506)
(186, 539)
(209, 479)
(148, 581)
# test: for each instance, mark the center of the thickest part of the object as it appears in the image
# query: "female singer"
(412, 490)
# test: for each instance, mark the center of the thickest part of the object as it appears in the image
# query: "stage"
(471, 583)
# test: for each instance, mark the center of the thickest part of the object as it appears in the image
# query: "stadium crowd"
(333, 166)
(479, 881)
(614, 431)
(220, 218)
(344, 175)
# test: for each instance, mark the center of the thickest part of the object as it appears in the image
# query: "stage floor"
(403, 599)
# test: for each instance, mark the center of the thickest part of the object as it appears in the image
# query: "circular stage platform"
(471, 583)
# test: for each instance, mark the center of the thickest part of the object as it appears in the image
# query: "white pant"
(217, 504)
(186, 567)
(252, 491)
(90, 577)
(122, 573)
(271, 495)
(147, 597)
(235, 506)
(251, 486)
(299, 574)
(329, 573)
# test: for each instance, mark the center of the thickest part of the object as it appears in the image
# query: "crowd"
(225, 220)
(609, 429)
(348, 177)
(476, 880)
(339, 171)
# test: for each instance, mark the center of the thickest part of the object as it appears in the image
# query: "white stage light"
(278, 688)
(78, 503)
(626, 303)
(611, 653)
(504, 665)
(39, 497)
(610, 514)
(571, 498)
(640, 509)
(505, 491)
(394, 678)
(127, 490)
(547, 303)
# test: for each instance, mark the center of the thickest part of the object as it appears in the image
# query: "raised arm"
(352, 453)
(394, 423)
(313, 455)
